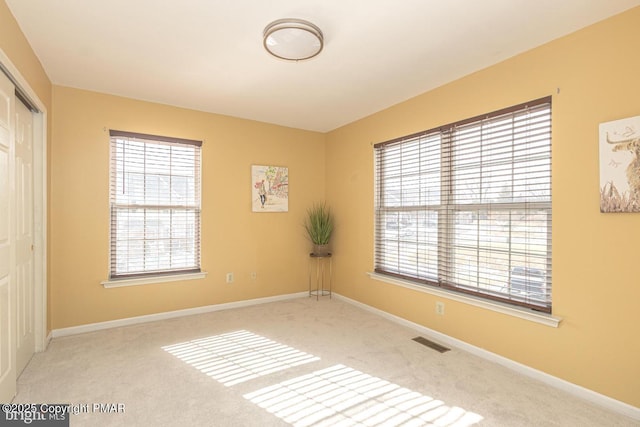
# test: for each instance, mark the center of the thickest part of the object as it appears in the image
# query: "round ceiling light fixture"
(293, 39)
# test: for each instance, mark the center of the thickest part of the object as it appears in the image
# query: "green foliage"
(319, 224)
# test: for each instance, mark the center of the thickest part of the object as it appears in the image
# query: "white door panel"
(7, 248)
(7, 350)
(25, 339)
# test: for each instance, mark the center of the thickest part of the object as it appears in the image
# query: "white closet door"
(25, 315)
(7, 248)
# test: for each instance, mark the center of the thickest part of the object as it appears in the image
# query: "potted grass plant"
(319, 226)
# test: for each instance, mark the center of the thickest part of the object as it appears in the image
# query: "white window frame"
(178, 216)
(436, 264)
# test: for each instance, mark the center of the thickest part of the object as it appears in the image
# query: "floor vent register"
(435, 346)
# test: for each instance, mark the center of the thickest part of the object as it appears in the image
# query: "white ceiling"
(207, 54)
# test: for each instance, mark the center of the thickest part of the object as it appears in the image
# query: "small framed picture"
(270, 188)
(620, 165)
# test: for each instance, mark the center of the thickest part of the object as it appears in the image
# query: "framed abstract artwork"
(270, 188)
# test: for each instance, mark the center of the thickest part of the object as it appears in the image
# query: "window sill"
(152, 279)
(530, 315)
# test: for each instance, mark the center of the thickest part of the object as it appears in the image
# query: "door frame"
(40, 118)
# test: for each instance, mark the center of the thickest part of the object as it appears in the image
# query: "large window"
(467, 206)
(155, 205)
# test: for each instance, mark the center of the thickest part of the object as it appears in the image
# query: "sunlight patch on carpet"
(342, 396)
(238, 356)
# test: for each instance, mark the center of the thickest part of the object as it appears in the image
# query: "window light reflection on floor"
(238, 356)
(342, 396)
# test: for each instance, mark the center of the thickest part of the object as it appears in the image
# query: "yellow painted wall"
(14, 44)
(233, 238)
(596, 287)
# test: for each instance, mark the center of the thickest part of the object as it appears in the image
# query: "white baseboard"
(574, 389)
(92, 327)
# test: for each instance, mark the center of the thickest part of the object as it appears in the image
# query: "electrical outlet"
(440, 308)
(229, 277)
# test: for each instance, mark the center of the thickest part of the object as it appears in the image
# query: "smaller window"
(155, 205)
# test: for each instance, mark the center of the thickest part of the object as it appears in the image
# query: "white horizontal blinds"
(155, 205)
(408, 186)
(474, 206)
(500, 206)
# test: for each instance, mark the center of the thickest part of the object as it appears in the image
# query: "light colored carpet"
(299, 362)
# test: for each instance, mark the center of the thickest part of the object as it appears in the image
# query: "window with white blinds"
(467, 206)
(155, 205)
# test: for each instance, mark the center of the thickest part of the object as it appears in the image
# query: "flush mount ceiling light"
(293, 39)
